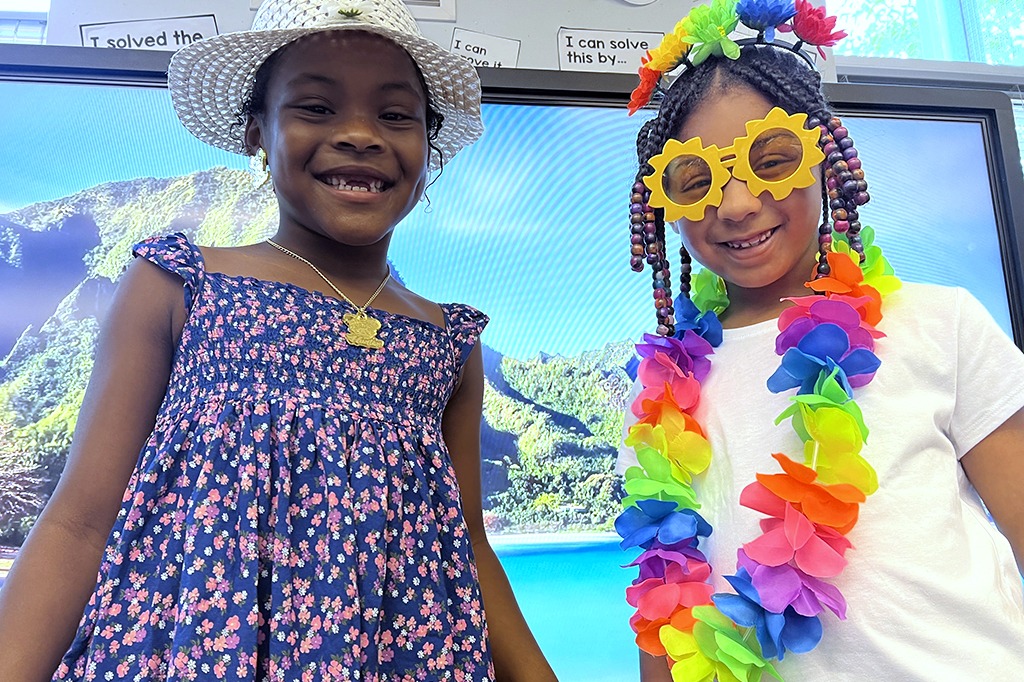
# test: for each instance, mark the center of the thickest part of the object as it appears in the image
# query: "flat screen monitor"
(530, 225)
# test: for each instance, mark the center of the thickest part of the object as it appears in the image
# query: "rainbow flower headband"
(706, 30)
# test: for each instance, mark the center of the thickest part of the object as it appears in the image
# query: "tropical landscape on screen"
(530, 225)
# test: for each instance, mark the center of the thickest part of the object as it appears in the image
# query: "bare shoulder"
(248, 260)
(407, 302)
(147, 290)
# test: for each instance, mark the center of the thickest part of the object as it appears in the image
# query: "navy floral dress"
(295, 514)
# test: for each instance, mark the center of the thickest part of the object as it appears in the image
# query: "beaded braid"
(784, 80)
(647, 224)
(846, 188)
(647, 236)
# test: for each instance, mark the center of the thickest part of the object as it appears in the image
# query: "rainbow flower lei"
(781, 583)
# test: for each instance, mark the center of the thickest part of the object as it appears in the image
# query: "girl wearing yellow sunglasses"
(752, 405)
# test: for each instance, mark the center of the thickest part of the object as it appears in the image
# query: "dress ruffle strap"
(175, 253)
(465, 323)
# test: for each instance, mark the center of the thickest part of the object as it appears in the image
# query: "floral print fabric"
(294, 514)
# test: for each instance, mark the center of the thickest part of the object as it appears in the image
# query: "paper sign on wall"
(485, 50)
(582, 49)
(164, 25)
(151, 34)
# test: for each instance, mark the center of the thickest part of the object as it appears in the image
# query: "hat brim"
(210, 79)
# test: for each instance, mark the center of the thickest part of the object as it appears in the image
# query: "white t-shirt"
(933, 590)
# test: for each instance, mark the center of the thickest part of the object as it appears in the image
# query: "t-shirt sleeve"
(627, 456)
(989, 375)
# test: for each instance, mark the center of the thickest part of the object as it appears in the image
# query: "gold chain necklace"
(362, 329)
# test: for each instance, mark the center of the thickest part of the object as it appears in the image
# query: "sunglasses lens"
(687, 179)
(775, 155)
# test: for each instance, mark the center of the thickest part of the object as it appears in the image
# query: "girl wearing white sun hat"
(211, 79)
(277, 475)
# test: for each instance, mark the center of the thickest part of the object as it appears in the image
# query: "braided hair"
(788, 82)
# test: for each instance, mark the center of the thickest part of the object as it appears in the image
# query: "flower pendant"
(362, 330)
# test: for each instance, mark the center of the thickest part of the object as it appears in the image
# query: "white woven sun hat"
(210, 79)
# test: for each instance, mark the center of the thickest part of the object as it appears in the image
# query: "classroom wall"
(577, 35)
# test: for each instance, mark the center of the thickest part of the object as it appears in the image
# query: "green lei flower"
(709, 292)
(708, 27)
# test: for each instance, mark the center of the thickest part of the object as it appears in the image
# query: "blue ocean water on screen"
(573, 597)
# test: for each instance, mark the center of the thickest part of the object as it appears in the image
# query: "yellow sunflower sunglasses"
(776, 155)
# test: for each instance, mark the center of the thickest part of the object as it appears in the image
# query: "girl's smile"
(754, 241)
(357, 180)
(354, 181)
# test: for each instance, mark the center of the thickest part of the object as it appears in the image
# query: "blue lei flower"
(705, 325)
(825, 348)
(776, 632)
(658, 520)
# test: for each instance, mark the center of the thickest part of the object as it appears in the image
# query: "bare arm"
(54, 575)
(654, 668)
(517, 657)
(995, 467)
